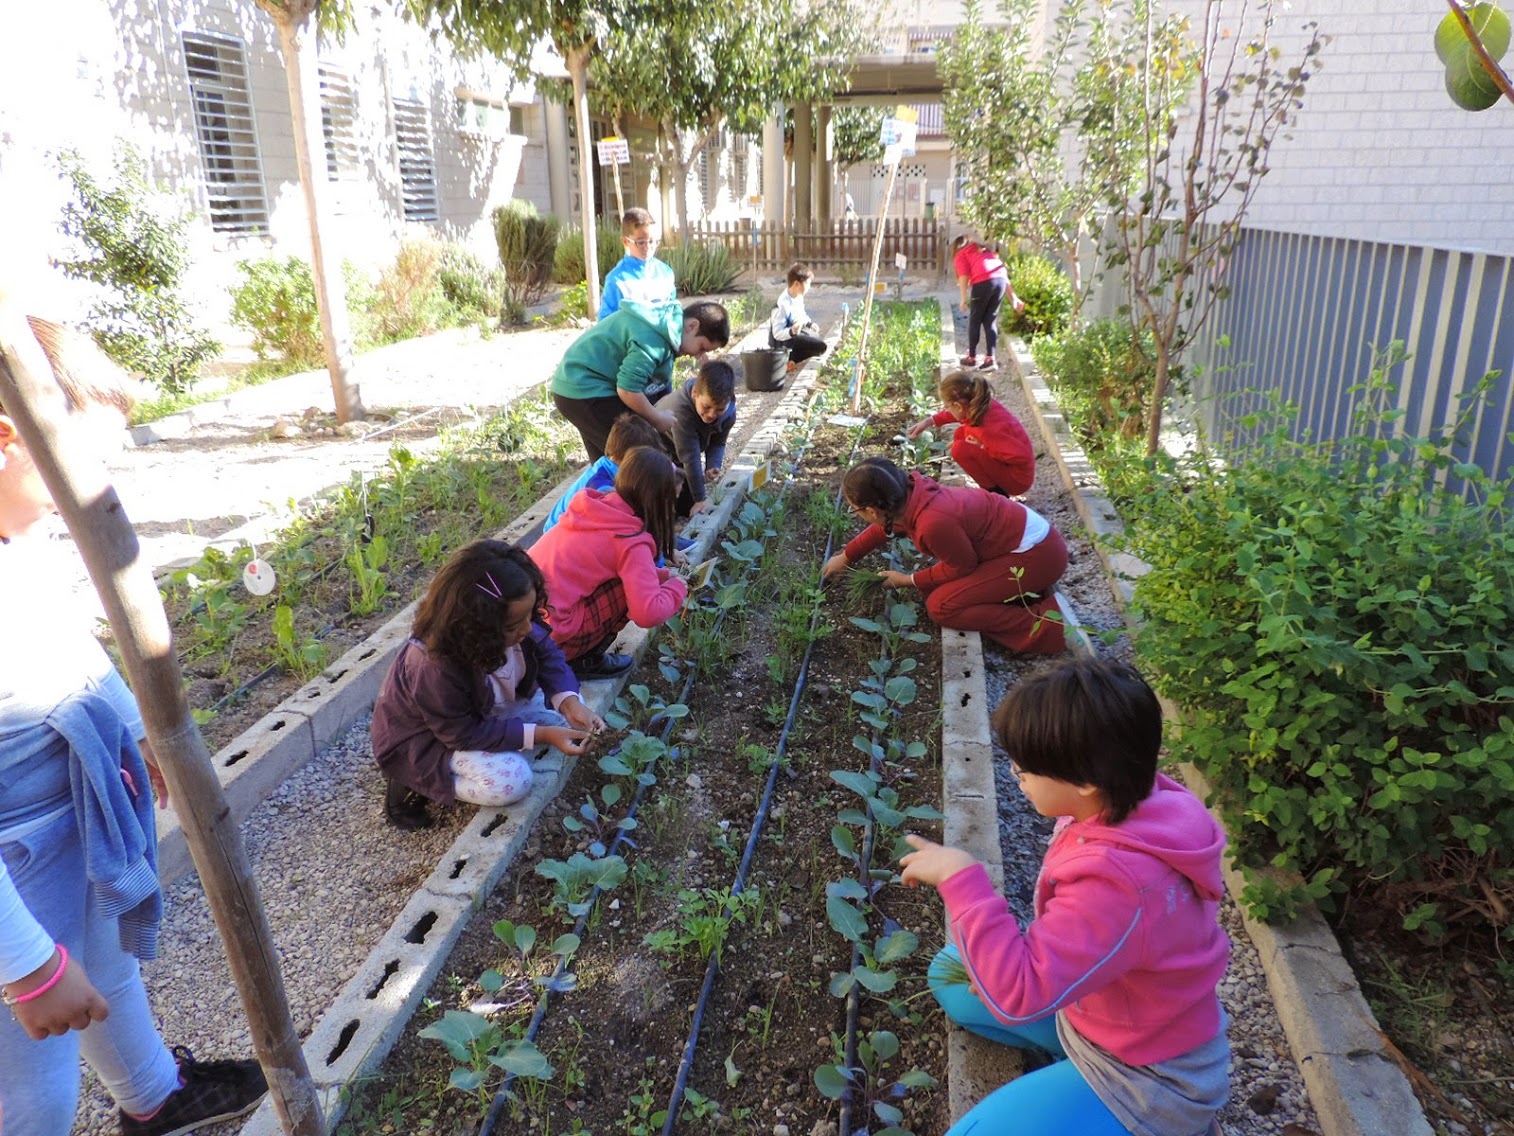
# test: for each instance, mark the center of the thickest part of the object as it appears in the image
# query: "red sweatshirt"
(957, 526)
(1001, 434)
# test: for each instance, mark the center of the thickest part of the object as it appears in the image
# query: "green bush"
(138, 258)
(408, 298)
(527, 251)
(568, 265)
(473, 289)
(276, 302)
(1336, 622)
(701, 269)
(1047, 293)
(1099, 376)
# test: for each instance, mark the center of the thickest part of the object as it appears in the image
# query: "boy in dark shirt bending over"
(704, 411)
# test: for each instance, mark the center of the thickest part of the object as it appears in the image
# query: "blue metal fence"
(1307, 315)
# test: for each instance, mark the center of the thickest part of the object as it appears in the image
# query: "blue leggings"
(1053, 1099)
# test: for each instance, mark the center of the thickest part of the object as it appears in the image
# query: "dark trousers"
(802, 347)
(983, 312)
(592, 418)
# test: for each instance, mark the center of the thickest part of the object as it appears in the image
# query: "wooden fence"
(845, 244)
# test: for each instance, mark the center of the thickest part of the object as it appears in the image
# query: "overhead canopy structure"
(886, 79)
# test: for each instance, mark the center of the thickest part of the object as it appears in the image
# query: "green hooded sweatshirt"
(624, 351)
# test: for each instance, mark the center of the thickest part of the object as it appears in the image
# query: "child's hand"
(892, 579)
(680, 560)
(918, 428)
(1019, 304)
(580, 717)
(711, 473)
(72, 1004)
(932, 863)
(700, 506)
(570, 741)
(834, 566)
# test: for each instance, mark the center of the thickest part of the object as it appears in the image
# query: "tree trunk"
(330, 290)
(681, 185)
(78, 484)
(578, 68)
(1158, 393)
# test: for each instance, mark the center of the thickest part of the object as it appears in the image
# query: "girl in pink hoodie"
(1115, 977)
(600, 562)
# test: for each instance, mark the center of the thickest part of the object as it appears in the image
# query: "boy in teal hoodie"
(610, 368)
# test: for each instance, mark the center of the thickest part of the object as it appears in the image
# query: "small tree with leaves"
(856, 137)
(138, 256)
(1174, 237)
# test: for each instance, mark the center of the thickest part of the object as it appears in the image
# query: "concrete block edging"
(1355, 1085)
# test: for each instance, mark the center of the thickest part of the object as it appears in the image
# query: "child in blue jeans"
(1116, 976)
(79, 899)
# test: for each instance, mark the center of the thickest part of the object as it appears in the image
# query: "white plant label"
(258, 577)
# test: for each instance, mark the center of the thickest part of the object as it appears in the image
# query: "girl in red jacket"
(1116, 976)
(600, 562)
(996, 560)
(991, 445)
(984, 282)
(479, 683)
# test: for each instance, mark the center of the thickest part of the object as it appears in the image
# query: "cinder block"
(486, 848)
(975, 1068)
(346, 690)
(250, 768)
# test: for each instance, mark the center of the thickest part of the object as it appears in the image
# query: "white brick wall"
(1379, 151)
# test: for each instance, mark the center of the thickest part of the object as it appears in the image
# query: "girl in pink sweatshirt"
(1115, 977)
(990, 445)
(600, 563)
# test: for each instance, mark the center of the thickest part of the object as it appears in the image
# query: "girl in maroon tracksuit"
(996, 560)
(991, 445)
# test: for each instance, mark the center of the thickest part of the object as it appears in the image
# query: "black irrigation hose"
(686, 1065)
(501, 1097)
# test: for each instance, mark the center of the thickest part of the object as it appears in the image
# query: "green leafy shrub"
(1047, 293)
(701, 269)
(1336, 621)
(1100, 376)
(472, 288)
(276, 302)
(527, 250)
(138, 257)
(568, 264)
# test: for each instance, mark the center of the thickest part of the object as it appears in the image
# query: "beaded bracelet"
(46, 986)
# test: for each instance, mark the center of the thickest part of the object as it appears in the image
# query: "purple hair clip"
(492, 589)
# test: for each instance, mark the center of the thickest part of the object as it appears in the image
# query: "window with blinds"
(412, 132)
(218, 89)
(344, 162)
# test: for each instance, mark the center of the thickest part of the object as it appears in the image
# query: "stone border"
(1356, 1087)
(367, 1017)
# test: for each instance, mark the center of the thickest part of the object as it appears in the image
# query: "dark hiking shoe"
(208, 1091)
(968, 361)
(601, 664)
(988, 364)
(404, 808)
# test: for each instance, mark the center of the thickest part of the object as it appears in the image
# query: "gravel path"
(1266, 1090)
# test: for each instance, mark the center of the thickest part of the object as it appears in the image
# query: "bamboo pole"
(872, 273)
(88, 502)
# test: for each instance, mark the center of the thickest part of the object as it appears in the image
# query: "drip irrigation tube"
(686, 1065)
(501, 1097)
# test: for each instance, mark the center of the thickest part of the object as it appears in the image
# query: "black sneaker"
(209, 1091)
(405, 808)
(601, 664)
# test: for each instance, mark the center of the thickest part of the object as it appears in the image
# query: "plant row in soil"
(773, 1049)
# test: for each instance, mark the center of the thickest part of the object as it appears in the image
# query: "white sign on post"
(901, 262)
(614, 151)
(898, 139)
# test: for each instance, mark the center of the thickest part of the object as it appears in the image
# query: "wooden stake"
(88, 502)
(872, 273)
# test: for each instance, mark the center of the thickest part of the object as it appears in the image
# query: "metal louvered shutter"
(344, 162)
(417, 162)
(218, 89)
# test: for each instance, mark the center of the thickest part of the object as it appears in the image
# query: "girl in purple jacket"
(1116, 976)
(470, 690)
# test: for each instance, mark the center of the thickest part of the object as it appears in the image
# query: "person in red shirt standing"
(991, 445)
(996, 560)
(984, 282)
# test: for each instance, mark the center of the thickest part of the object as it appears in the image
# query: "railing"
(1307, 315)
(846, 243)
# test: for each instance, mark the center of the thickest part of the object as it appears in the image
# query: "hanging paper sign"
(258, 577)
(898, 139)
(613, 151)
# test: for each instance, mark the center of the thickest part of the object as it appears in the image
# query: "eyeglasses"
(1015, 771)
(645, 243)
